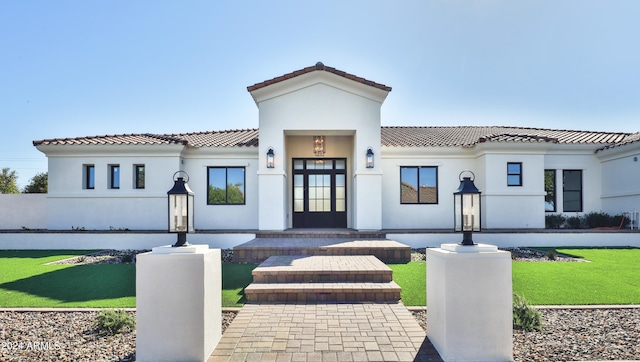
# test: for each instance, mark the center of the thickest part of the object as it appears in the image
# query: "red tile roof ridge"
(319, 66)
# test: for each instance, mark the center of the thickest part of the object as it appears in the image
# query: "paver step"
(322, 292)
(322, 269)
(259, 249)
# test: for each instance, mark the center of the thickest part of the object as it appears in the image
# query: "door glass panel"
(298, 164)
(340, 193)
(341, 164)
(319, 193)
(298, 193)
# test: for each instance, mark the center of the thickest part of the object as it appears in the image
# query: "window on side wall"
(550, 190)
(572, 190)
(418, 185)
(138, 175)
(514, 173)
(114, 176)
(89, 177)
(226, 185)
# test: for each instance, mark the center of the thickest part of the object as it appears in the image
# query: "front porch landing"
(259, 249)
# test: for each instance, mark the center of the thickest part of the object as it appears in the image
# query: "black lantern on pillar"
(369, 157)
(466, 208)
(270, 158)
(180, 208)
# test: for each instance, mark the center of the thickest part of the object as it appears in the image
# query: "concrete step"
(322, 269)
(322, 292)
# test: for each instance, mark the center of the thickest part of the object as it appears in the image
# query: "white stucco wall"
(72, 205)
(620, 175)
(512, 206)
(222, 217)
(449, 161)
(19, 211)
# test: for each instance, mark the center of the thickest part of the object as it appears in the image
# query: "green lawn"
(25, 281)
(612, 276)
(412, 277)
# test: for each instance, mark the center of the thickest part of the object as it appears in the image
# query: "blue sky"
(80, 68)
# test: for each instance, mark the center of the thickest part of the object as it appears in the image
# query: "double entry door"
(319, 193)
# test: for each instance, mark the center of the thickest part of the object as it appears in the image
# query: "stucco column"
(179, 303)
(469, 302)
(272, 201)
(368, 201)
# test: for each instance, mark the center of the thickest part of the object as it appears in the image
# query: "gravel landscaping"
(569, 335)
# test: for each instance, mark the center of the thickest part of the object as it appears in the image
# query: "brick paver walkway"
(324, 332)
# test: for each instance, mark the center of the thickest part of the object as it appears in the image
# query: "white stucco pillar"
(272, 214)
(179, 303)
(368, 201)
(469, 302)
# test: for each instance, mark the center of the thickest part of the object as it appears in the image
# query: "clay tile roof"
(318, 67)
(230, 138)
(123, 139)
(469, 136)
(630, 139)
(233, 138)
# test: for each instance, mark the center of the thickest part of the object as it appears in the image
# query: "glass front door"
(320, 193)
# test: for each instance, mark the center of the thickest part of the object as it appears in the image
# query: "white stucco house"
(321, 125)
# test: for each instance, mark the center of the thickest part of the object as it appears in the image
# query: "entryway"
(319, 193)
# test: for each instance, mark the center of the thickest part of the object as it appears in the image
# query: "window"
(514, 173)
(550, 190)
(572, 190)
(89, 177)
(418, 185)
(114, 176)
(138, 174)
(226, 186)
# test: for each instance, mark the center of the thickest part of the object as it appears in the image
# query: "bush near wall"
(587, 221)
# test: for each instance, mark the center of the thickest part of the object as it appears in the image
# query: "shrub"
(525, 317)
(597, 219)
(617, 219)
(554, 221)
(551, 255)
(575, 222)
(110, 321)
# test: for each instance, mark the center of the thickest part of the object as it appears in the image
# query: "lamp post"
(180, 208)
(466, 208)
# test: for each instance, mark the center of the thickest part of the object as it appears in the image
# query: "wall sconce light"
(369, 158)
(318, 146)
(180, 209)
(466, 208)
(270, 158)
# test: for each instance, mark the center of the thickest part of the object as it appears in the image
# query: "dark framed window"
(226, 185)
(572, 190)
(514, 173)
(550, 190)
(89, 177)
(138, 174)
(418, 185)
(114, 176)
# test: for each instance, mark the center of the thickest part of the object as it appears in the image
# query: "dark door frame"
(309, 219)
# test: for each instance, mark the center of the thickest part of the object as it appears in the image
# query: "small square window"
(514, 174)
